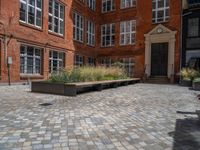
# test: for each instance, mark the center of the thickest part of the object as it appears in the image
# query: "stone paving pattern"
(135, 117)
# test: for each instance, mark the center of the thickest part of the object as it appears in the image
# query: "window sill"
(30, 26)
(107, 12)
(107, 46)
(80, 42)
(92, 46)
(162, 22)
(123, 45)
(56, 34)
(128, 8)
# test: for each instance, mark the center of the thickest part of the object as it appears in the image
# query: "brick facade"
(13, 33)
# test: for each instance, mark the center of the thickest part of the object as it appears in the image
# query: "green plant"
(197, 80)
(85, 74)
(189, 74)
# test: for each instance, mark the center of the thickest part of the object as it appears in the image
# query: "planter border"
(72, 89)
(196, 86)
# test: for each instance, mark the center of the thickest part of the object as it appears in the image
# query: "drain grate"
(46, 104)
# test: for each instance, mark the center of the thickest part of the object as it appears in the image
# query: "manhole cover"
(46, 104)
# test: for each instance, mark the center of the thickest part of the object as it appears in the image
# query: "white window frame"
(91, 61)
(79, 62)
(26, 56)
(26, 2)
(90, 33)
(112, 6)
(128, 64)
(106, 62)
(59, 17)
(128, 32)
(78, 20)
(157, 9)
(58, 59)
(110, 34)
(124, 3)
(91, 4)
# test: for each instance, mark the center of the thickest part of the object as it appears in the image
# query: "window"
(78, 60)
(128, 3)
(108, 35)
(56, 17)
(107, 62)
(90, 61)
(127, 32)
(56, 61)
(90, 33)
(31, 12)
(91, 4)
(128, 64)
(78, 27)
(160, 10)
(108, 5)
(30, 60)
(193, 27)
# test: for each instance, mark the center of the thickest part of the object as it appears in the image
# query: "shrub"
(189, 74)
(197, 80)
(85, 74)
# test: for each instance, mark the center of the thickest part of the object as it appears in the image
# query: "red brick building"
(42, 36)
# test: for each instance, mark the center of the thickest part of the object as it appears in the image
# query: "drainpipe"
(181, 40)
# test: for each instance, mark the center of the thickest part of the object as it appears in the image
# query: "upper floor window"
(56, 17)
(160, 12)
(108, 35)
(193, 27)
(78, 27)
(91, 4)
(90, 33)
(127, 32)
(31, 12)
(56, 61)
(128, 3)
(108, 5)
(30, 60)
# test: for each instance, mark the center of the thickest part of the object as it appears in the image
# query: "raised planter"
(196, 86)
(186, 83)
(72, 89)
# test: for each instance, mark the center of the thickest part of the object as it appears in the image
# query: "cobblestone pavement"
(140, 116)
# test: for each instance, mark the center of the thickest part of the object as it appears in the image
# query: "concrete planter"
(196, 86)
(186, 83)
(72, 89)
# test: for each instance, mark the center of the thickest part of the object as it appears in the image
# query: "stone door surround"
(160, 34)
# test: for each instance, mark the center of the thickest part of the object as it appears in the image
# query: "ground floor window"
(78, 60)
(56, 61)
(30, 60)
(128, 64)
(107, 62)
(193, 59)
(90, 61)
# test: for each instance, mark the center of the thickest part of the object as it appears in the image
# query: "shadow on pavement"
(187, 133)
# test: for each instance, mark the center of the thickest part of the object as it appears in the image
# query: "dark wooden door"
(159, 59)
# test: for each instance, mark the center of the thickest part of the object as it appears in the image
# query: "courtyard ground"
(140, 116)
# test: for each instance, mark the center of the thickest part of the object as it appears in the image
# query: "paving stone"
(140, 116)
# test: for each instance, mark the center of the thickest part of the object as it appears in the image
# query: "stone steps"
(158, 80)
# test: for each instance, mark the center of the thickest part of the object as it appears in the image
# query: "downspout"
(181, 38)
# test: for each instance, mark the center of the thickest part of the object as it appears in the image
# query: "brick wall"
(18, 33)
